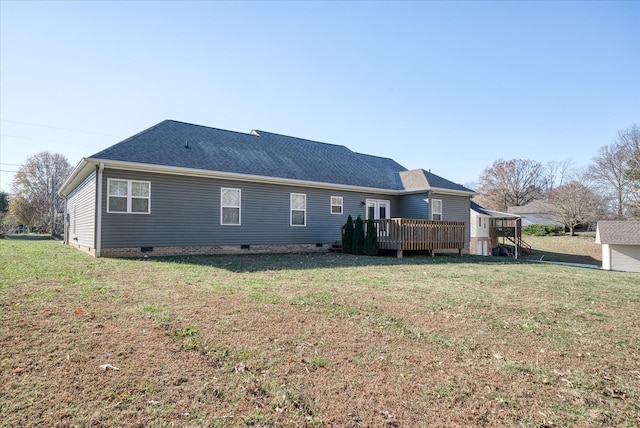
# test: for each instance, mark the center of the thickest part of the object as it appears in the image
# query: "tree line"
(34, 204)
(609, 188)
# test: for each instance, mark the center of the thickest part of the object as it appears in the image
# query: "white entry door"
(378, 209)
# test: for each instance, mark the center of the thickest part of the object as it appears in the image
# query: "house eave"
(442, 191)
(87, 165)
(500, 214)
(80, 172)
(191, 172)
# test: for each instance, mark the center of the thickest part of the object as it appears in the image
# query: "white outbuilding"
(620, 245)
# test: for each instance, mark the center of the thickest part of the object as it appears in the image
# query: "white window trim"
(239, 207)
(341, 205)
(441, 208)
(129, 196)
(291, 195)
(377, 203)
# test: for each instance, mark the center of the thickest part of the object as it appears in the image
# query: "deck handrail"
(414, 234)
(402, 234)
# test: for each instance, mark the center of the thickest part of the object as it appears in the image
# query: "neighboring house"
(620, 245)
(487, 226)
(535, 212)
(178, 188)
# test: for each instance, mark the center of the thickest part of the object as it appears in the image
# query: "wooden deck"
(402, 234)
(511, 230)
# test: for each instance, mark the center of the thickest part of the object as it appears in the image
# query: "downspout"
(99, 212)
(65, 240)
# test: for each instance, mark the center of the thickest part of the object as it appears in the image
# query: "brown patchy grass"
(325, 340)
(571, 249)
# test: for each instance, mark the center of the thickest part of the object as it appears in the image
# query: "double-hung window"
(128, 196)
(336, 205)
(436, 209)
(298, 209)
(230, 206)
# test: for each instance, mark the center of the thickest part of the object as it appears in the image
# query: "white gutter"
(99, 210)
(162, 169)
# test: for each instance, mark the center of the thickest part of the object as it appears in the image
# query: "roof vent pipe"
(186, 144)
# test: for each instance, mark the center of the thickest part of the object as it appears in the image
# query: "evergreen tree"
(347, 238)
(371, 240)
(358, 237)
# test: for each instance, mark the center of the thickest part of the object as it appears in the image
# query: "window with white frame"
(436, 209)
(230, 206)
(128, 196)
(298, 209)
(336, 205)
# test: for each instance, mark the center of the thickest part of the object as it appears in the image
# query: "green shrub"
(358, 237)
(371, 240)
(347, 237)
(541, 230)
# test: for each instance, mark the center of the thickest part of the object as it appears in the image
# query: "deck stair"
(524, 247)
(336, 247)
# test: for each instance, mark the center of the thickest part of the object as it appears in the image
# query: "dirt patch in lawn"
(313, 340)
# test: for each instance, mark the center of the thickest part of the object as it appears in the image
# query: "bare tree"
(4, 208)
(35, 200)
(632, 137)
(511, 183)
(610, 166)
(556, 174)
(576, 205)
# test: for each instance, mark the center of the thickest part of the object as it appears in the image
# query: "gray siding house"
(178, 188)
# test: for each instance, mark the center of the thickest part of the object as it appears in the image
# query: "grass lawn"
(327, 340)
(569, 249)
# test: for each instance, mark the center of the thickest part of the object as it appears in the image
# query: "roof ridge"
(380, 157)
(207, 127)
(303, 139)
(144, 131)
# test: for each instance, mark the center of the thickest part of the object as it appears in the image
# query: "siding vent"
(244, 247)
(146, 249)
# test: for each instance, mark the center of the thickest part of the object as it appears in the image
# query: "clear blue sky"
(446, 86)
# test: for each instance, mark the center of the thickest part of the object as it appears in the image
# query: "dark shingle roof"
(443, 183)
(260, 153)
(618, 232)
(477, 208)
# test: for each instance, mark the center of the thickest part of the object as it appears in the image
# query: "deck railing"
(408, 234)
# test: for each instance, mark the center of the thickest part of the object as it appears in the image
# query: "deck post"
(399, 254)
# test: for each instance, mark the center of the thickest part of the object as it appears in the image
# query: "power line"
(45, 140)
(10, 164)
(6, 170)
(61, 129)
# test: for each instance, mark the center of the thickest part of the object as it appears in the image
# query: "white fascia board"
(87, 165)
(191, 172)
(499, 214)
(441, 191)
(81, 171)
